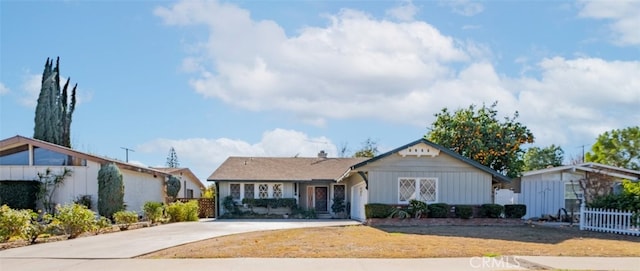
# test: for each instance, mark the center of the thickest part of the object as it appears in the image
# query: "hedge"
(515, 210)
(438, 210)
(377, 210)
(491, 210)
(464, 211)
(19, 194)
(271, 203)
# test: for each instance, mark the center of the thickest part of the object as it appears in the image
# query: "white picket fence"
(608, 220)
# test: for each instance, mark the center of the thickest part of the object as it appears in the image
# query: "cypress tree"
(110, 190)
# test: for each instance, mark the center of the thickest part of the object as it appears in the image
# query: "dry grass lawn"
(409, 242)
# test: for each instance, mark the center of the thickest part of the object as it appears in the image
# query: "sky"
(288, 78)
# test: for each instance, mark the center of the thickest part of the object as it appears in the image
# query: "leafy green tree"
(618, 147)
(172, 159)
(173, 187)
(110, 190)
(539, 158)
(369, 149)
(476, 133)
(53, 111)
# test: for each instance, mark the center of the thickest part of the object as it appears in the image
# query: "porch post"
(582, 214)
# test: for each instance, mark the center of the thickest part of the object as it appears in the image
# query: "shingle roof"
(282, 169)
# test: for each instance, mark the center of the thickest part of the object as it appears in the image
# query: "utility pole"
(127, 150)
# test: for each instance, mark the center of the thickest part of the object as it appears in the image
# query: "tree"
(619, 148)
(172, 159)
(478, 134)
(369, 149)
(173, 187)
(539, 158)
(53, 111)
(110, 190)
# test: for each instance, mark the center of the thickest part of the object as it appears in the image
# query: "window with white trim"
(422, 189)
(263, 191)
(235, 191)
(277, 191)
(573, 193)
(249, 191)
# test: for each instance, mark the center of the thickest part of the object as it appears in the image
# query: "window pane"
(338, 191)
(263, 191)
(277, 191)
(249, 191)
(406, 189)
(15, 156)
(235, 191)
(46, 157)
(428, 190)
(570, 191)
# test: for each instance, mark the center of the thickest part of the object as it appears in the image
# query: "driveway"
(132, 243)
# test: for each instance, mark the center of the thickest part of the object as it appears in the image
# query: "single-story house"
(419, 170)
(548, 190)
(22, 158)
(190, 185)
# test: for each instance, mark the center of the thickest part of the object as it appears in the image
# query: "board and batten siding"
(457, 182)
(544, 193)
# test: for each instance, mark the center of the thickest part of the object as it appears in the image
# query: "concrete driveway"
(132, 243)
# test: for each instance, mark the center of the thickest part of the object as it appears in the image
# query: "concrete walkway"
(115, 251)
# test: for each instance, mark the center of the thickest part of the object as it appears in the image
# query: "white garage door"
(358, 200)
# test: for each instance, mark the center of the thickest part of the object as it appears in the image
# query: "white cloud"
(31, 90)
(358, 66)
(406, 11)
(4, 89)
(624, 16)
(204, 155)
(464, 7)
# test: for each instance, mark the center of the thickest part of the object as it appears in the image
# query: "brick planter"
(443, 222)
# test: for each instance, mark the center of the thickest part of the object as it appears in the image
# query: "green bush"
(84, 200)
(13, 223)
(491, 210)
(439, 210)
(38, 226)
(418, 208)
(515, 210)
(153, 211)
(179, 212)
(173, 187)
(74, 219)
(270, 203)
(125, 218)
(377, 210)
(19, 194)
(464, 211)
(101, 225)
(110, 190)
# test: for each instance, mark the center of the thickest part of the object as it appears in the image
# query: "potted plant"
(338, 207)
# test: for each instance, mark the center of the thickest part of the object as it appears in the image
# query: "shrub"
(338, 205)
(270, 203)
(439, 210)
(110, 190)
(19, 194)
(515, 210)
(13, 223)
(38, 225)
(230, 205)
(125, 218)
(101, 225)
(491, 210)
(179, 211)
(418, 208)
(377, 210)
(464, 211)
(74, 219)
(153, 211)
(399, 212)
(173, 187)
(84, 200)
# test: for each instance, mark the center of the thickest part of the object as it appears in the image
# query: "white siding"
(140, 188)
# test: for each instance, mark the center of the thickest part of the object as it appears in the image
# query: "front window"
(338, 191)
(277, 191)
(572, 195)
(249, 191)
(263, 191)
(422, 189)
(235, 191)
(15, 156)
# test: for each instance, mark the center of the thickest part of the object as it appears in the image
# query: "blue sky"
(284, 78)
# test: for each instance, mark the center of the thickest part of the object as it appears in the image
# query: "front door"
(321, 199)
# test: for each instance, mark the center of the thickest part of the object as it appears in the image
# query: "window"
(338, 191)
(572, 195)
(45, 157)
(263, 191)
(15, 156)
(422, 189)
(189, 193)
(277, 191)
(235, 191)
(249, 191)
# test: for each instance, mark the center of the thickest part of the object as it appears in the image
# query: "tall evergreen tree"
(53, 112)
(110, 190)
(172, 159)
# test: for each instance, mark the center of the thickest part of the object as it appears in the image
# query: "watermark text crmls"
(502, 262)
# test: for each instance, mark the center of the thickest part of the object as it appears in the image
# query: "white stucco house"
(22, 158)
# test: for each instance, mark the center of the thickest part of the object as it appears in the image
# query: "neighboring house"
(190, 185)
(311, 181)
(419, 170)
(546, 191)
(22, 158)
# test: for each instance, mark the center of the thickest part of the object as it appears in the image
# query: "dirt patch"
(409, 242)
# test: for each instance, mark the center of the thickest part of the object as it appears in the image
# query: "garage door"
(358, 200)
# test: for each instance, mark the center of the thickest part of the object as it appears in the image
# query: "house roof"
(471, 162)
(622, 173)
(282, 169)
(18, 140)
(182, 171)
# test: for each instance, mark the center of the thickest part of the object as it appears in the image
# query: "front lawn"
(409, 242)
